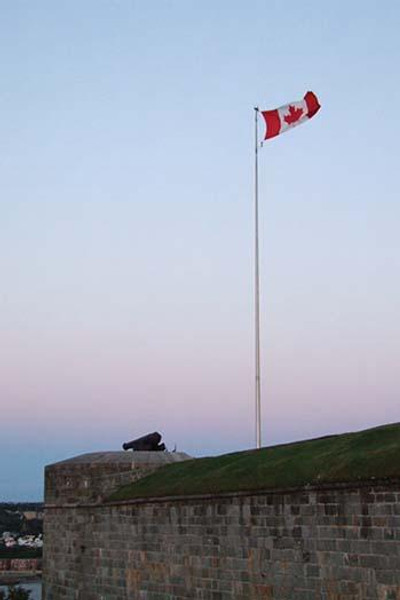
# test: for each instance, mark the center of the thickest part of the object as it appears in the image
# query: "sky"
(127, 225)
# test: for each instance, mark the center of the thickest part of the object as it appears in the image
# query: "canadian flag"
(285, 117)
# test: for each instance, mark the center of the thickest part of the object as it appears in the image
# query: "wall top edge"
(118, 457)
(336, 486)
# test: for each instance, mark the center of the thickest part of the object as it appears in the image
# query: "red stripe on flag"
(313, 105)
(273, 123)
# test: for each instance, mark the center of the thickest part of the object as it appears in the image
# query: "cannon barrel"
(149, 442)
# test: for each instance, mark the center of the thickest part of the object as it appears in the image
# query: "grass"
(20, 552)
(361, 456)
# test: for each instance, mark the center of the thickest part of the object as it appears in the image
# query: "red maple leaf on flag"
(294, 115)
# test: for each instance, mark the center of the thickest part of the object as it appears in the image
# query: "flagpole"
(257, 290)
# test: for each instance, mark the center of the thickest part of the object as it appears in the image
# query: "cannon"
(149, 442)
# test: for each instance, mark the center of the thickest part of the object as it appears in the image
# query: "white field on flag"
(292, 114)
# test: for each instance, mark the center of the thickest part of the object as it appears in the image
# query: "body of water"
(35, 587)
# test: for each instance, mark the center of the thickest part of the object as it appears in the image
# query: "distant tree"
(9, 520)
(32, 527)
(15, 593)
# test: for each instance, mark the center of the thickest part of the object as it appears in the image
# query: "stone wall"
(91, 477)
(338, 543)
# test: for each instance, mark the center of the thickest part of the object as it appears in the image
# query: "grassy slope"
(19, 552)
(364, 455)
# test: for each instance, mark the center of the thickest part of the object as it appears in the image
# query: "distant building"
(29, 515)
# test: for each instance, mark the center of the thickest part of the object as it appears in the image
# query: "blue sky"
(126, 225)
